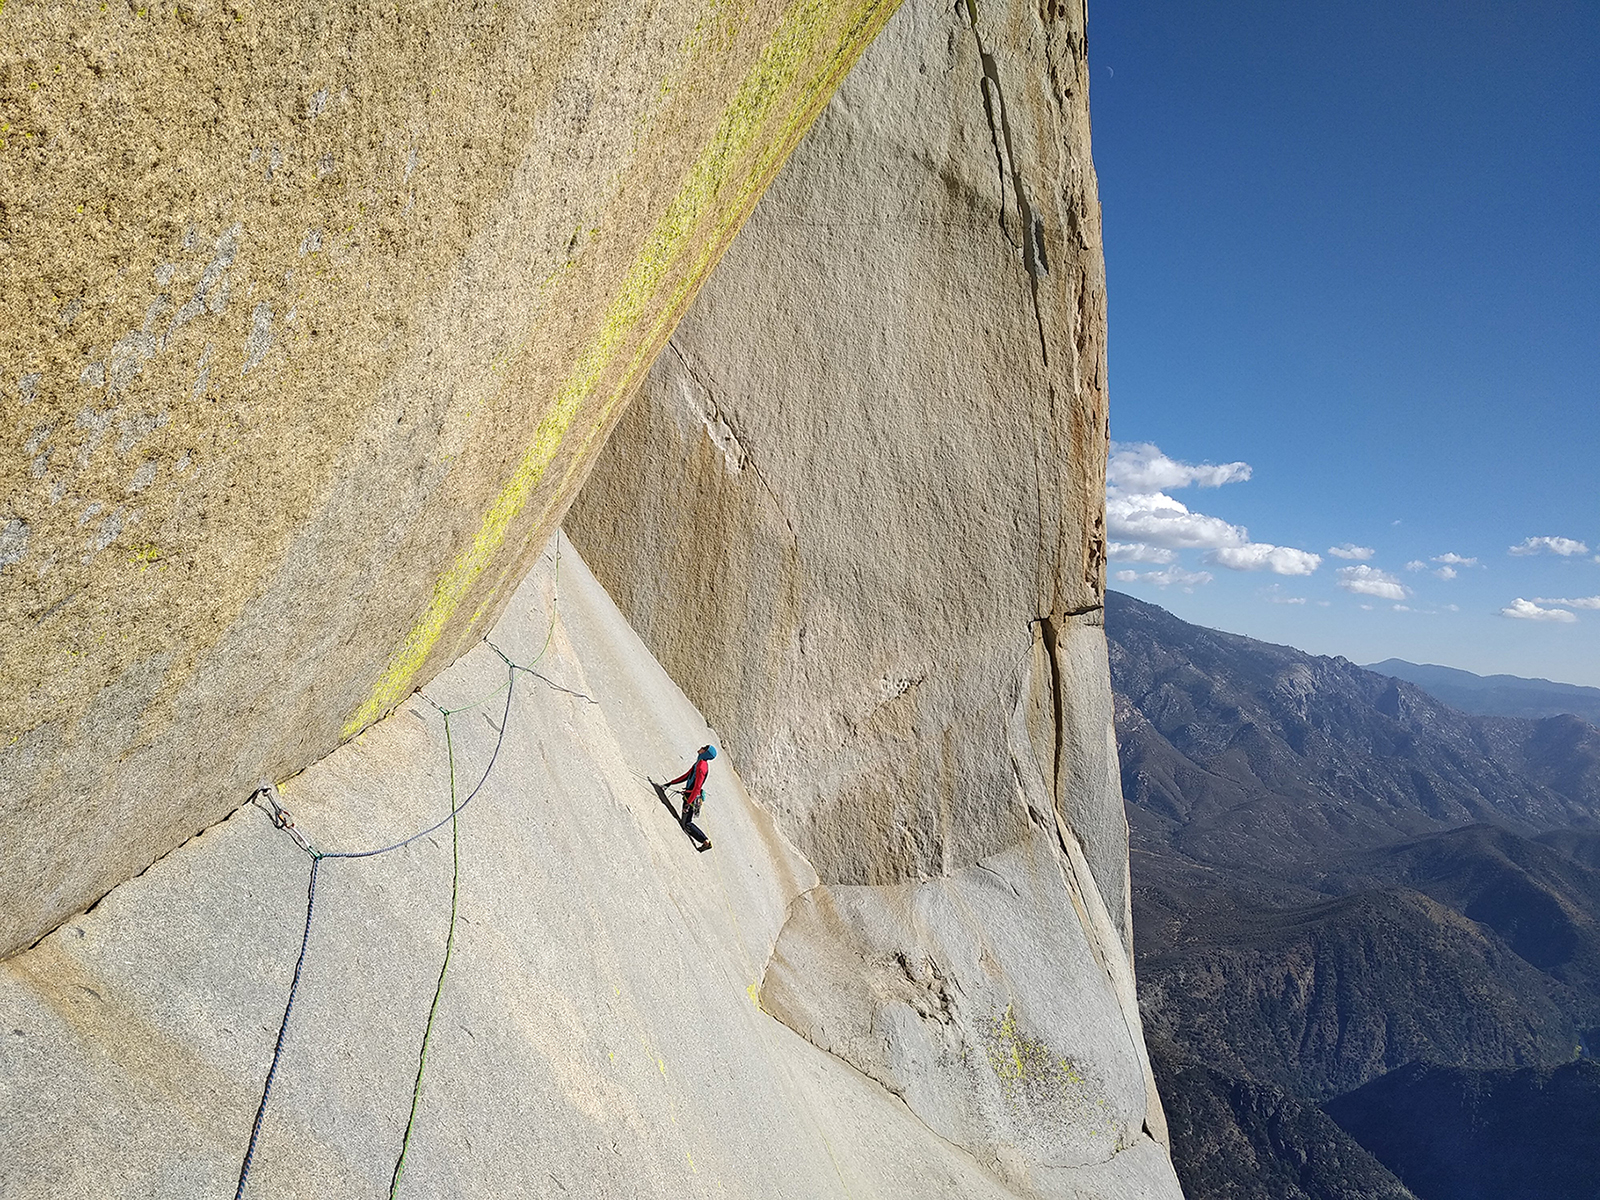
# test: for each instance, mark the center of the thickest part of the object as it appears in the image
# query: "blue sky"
(1354, 249)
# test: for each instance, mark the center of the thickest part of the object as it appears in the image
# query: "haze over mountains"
(1496, 695)
(1337, 877)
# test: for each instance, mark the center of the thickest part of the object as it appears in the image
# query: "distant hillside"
(1464, 1135)
(1250, 1141)
(1239, 752)
(1496, 695)
(1336, 875)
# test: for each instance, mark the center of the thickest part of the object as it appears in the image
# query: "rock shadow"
(694, 833)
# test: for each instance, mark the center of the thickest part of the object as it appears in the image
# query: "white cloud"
(1565, 547)
(1445, 573)
(1139, 552)
(1453, 607)
(1350, 550)
(1577, 602)
(1263, 556)
(1150, 525)
(1155, 518)
(1454, 560)
(1141, 467)
(1416, 564)
(1188, 580)
(1275, 594)
(1401, 607)
(1527, 610)
(1369, 581)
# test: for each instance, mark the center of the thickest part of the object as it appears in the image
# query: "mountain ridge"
(1338, 876)
(1496, 695)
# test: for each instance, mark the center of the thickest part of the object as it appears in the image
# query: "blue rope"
(283, 1031)
(282, 820)
(454, 808)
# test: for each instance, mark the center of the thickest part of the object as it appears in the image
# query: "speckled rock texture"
(857, 509)
(315, 316)
(609, 1024)
(857, 512)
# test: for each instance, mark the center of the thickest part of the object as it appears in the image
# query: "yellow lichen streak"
(738, 133)
(862, 27)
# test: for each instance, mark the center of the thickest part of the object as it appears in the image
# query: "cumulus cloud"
(1156, 519)
(1151, 525)
(1565, 547)
(1141, 467)
(1448, 570)
(1188, 580)
(1263, 556)
(1369, 581)
(1575, 602)
(1527, 610)
(1351, 550)
(1139, 552)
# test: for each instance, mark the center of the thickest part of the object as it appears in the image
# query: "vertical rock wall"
(857, 512)
(858, 507)
(315, 316)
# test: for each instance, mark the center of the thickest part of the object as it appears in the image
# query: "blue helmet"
(708, 753)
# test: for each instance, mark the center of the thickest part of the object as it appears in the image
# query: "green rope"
(281, 818)
(555, 598)
(481, 700)
(549, 633)
(444, 967)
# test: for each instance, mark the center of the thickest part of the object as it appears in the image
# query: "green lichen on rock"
(311, 320)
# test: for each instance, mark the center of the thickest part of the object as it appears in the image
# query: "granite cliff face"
(856, 512)
(858, 505)
(601, 1031)
(606, 1024)
(313, 322)
(857, 509)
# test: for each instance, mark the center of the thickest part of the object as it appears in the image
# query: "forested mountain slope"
(1335, 876)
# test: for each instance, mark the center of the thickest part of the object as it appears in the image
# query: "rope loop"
(266, 798)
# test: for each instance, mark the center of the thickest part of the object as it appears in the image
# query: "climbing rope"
(455, 808)
(267, 800)
(283, 1031)
(444, 969)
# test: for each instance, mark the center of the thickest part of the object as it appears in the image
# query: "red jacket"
(696, 775)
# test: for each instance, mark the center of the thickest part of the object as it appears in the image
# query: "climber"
(696, 778)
